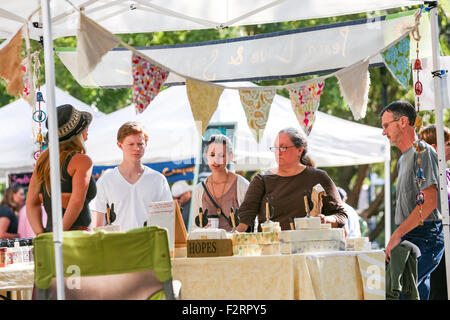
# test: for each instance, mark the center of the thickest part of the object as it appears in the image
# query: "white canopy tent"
(138, 16)
(195, 15)
(319, 49)
(17, 143)
(174, 136)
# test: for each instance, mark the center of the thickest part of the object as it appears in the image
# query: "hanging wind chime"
(39, 116)
(419, 144)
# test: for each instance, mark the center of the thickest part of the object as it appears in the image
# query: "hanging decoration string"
(39, 116)
(419, 144)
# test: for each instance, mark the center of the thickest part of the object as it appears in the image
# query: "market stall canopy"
(17, 143)
(173, 135)
(306, 51)
(139, 16)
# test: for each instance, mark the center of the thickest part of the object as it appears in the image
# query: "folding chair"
(107, 266)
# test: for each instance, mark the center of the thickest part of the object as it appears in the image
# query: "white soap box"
(307, 223)
(207, 234)
(311, 234)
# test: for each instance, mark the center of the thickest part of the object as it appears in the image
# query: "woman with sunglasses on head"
(284, 187)
(223, 189)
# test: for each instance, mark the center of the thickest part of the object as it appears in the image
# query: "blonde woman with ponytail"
(284, 187)
(77, 185)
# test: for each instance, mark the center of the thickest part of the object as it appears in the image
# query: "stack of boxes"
(311, 236)
(255, 244)
(358, 244)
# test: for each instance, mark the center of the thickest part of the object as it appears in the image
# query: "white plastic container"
(213, 223)
(17, 255)
(25, 251)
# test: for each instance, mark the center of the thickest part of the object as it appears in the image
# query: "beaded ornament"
(39, 116)
(419, 144)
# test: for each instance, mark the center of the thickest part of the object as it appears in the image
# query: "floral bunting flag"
(147, 81)
(305, 101)
(11, 64)
(204, 100)
(396, 59)
(256, 104)
(354, 83)
(28, 93)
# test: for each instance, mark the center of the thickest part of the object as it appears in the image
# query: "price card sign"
(162, 214)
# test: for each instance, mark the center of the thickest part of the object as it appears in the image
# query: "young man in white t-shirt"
(131, 186)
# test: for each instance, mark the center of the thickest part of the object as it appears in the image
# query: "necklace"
(131, 175)
(214, 192)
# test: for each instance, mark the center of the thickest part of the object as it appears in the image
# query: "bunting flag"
(354, 84)
(305, 101)
(93, 42)
(204, 100)
(256, 104)
(11, 64)
(396, 59)
(147, 81)
(28, 93)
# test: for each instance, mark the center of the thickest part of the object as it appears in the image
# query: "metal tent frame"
(48, 20)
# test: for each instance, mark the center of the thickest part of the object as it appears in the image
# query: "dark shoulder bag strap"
(215, 204)
(210, 197)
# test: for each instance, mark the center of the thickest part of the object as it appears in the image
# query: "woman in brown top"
(284, 187)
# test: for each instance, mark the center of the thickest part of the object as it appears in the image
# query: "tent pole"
(387, 200)
(438, 107)
(55, 182)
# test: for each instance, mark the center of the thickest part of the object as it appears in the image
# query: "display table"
(19, 279)
(235, 278)
(342, 275)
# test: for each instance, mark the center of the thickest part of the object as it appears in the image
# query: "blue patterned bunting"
(396, 59)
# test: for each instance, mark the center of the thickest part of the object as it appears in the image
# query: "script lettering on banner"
(22, 179)
(162, 214)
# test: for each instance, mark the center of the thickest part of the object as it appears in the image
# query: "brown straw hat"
(71, 122)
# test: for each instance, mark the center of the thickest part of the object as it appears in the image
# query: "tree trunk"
(374, 207)
(379, 227)
(352, 200)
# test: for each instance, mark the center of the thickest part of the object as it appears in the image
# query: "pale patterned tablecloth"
(17, 277)
(338, 275)
(235, 278)
(342, 275)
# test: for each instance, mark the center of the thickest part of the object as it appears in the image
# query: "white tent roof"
(302, 51)
(17, 143)
(173, 135)
(168, 15)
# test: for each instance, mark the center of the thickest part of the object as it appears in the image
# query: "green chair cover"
(104, 253)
